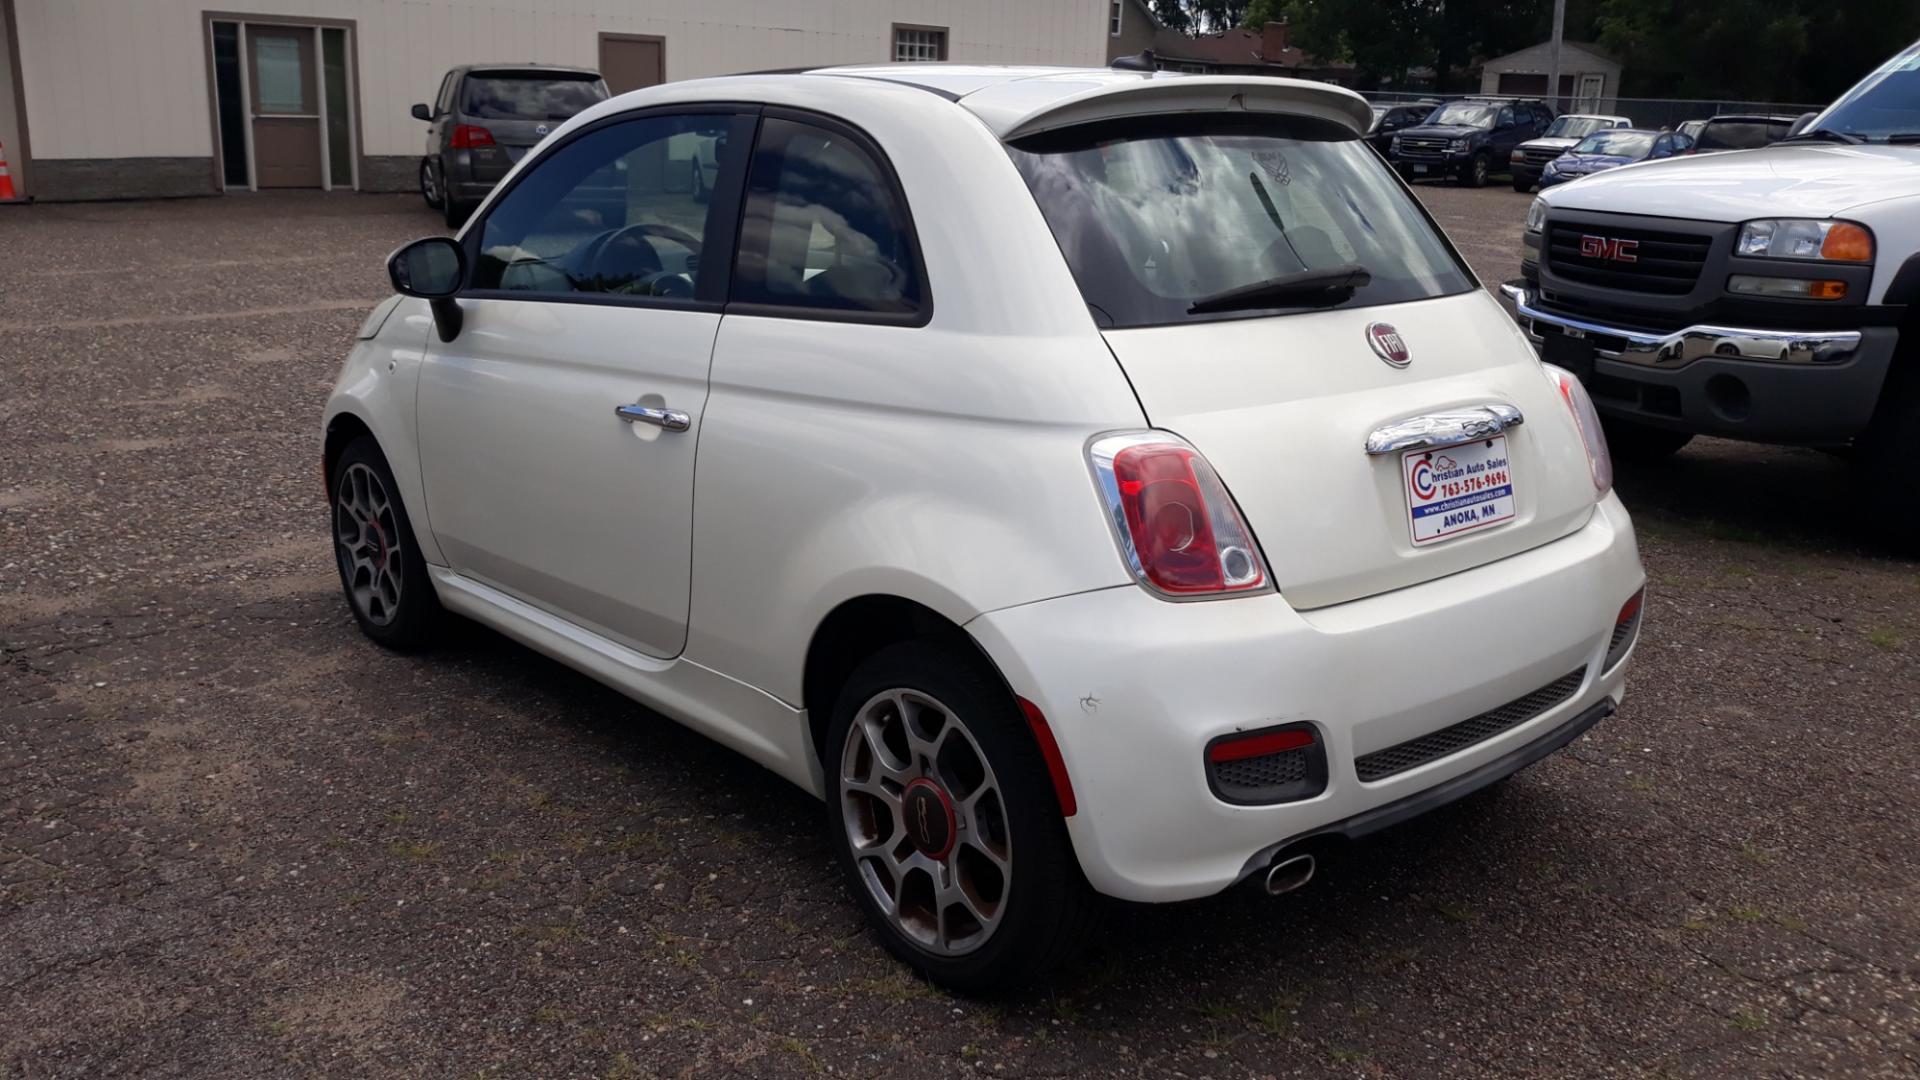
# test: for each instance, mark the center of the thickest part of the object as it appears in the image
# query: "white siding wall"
(128, 78)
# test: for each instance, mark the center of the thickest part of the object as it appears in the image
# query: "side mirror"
(421, 112)
(432, 269)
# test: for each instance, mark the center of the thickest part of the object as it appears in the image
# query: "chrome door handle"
(1449, 427)
(670, 419)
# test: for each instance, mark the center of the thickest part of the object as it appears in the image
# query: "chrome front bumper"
(1683, 347)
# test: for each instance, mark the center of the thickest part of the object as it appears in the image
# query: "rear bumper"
(1775, 385)
(1432, 166)
(468, 180)
(1372, 821)
(1134, 688)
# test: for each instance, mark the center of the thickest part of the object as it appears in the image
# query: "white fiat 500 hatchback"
(1085, 481)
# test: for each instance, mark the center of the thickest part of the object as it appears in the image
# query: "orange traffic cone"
(7, 194)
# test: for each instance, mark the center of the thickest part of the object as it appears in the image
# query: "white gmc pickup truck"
(1771, 294)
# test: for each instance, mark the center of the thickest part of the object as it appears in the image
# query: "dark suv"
(1467, 139)
(485, 118)
(1743, 132)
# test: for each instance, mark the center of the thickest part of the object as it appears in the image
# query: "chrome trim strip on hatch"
(1450, 427)
(1683, 347)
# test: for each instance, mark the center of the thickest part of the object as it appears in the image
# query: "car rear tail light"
(1239, 748)
(1050, 753)
(1626, 629)
(1588, 421)
(1176, 525)
(469, 136)
(1272, 765)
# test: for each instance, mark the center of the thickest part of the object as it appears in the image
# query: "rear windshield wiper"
(1824, 135)
(1322, 287)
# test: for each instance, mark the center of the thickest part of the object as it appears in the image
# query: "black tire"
(455, 212)
(1522, 184)
(1048, 911)
(1640, 444)
(405, 617)
(1474, 173)
(1885, 461)
(429, 185)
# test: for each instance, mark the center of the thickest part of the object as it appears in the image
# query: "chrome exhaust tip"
(1287, 875)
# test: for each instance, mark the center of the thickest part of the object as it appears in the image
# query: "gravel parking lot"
(236, 839)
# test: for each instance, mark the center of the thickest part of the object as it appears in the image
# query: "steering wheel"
(649, 278)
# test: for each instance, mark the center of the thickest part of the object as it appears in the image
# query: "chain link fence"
(1654, 113)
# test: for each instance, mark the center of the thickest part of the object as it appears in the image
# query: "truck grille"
(1666, 263)
(1540, 155)
(1417, 146)
(1451, 740)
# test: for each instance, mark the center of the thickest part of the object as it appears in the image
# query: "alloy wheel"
(926, 822)
(366, 539)
(429, 187)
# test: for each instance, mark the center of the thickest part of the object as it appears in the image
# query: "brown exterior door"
(285, 101)
(631, 61)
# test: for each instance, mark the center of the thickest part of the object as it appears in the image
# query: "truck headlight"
(1537, 216)
(1803, 238)
(1457, 145)
(1393, 145)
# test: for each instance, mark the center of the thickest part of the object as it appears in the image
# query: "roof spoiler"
(1140, 61)
(1170, 95)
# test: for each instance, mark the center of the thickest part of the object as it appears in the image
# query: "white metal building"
(132, 98)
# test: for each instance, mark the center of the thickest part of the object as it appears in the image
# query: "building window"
(1114, 11)
(912, 43)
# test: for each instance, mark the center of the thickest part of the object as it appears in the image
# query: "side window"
(623, 210)
(1506, 117)
(444, 102)
(823, 228)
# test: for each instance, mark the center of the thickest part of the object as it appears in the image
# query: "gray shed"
(1589, 78)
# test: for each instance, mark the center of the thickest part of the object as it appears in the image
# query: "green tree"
(1200, 16)
(1767, 50)
(1261, 12)
(1384, 39)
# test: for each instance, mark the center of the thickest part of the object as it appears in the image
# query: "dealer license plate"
(1419, 168)
(1457, 490)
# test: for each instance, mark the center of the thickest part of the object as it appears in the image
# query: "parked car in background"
(1769, 295)
(485, 118)
(1009, 538)
(1388, 119)
(1742, 132)
(1691, 128)
(1468, 139)
(1611, 149)
(1530, 158)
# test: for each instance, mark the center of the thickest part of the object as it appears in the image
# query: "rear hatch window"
(501, 95)
(1156, 216)
(1281, 388)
